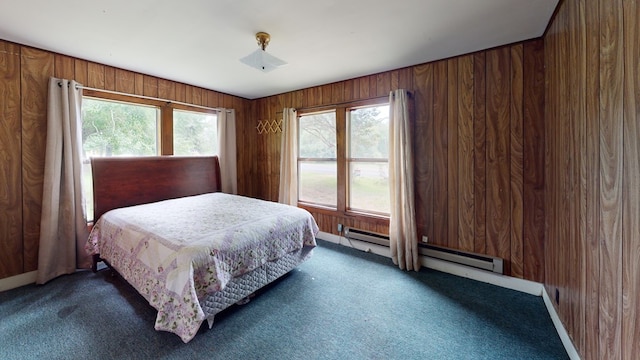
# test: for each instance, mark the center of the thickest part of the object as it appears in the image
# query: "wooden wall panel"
(440, 137)
(465, 148)
(36, 68)
(479, 152)
(452, 154)
(11, 246)
(631, 188)
(96, 76)
(64, 67)
(593, 167)
(591, 349)
(576, 96)
(109, 78)
(150, 87)
(81, 71)
(533, 153)
(498, 160)
(517, 161)
(125, 81)
(611, 164)
(423, 90)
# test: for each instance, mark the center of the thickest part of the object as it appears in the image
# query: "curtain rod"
(329, 106)
(81, 87)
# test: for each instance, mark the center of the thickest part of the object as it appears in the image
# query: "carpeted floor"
(340, 304)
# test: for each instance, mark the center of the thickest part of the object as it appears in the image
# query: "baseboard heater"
(479, 261)
(367, 236)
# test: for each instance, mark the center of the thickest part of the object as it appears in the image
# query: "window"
(343, 160)
(317, 169)
(194, 133)
(368, 159)
(113, 128)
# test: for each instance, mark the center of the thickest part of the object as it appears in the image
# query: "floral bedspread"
(175, 252)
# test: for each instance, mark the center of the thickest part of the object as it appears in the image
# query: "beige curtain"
(63, 224)
(227, 151)
(403, 235)
(288, 190)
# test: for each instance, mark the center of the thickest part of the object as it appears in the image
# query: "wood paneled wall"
(592, 196)
(479, 167)
(24, 75)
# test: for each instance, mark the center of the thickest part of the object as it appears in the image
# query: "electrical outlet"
(425, 239)
(339, 228)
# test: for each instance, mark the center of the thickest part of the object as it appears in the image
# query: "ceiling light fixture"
(259, 59)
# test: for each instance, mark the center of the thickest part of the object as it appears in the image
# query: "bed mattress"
(193, 257)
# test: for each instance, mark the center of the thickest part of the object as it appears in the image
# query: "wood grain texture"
(533, 153)
(479, 152)
(81, 71)
(517, 161)
(591, 193)
(150, 86)
(440, 137)
(96, 75)
(109, 78)
(498, 160)
(423, 168)
(576, 97)
(563, 195)
(591, 349)
(453, 207)
(611, 165)
(11, 245)
(127, 181)
(631, 184)
(36, 68)
(125, 81)
(64, 67)
(465, 148)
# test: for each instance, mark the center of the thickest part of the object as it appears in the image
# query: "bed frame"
(127, 181)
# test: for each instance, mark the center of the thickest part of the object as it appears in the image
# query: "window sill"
(360, 216)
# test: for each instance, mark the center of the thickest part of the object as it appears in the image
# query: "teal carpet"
(340, 304)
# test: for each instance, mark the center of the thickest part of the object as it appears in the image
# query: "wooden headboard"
(127, 181)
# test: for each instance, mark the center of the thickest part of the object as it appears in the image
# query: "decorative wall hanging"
(269, 126)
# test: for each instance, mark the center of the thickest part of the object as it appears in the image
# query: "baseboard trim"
(526, 286)
(562, 332)
(18, 280)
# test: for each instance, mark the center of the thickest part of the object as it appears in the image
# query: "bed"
(188, 249)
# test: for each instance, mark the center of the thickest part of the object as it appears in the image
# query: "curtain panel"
(288, 189)
(403, 233)
(227, 150)
(63, 224)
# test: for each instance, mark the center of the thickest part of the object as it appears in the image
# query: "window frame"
(342, 209)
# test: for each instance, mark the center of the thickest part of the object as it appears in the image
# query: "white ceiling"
(200, 42)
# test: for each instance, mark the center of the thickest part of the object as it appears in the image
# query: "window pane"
(317, 182)
(369, 186)
(111, 128)
(369, 132)
(317, 135)
(194, 133)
